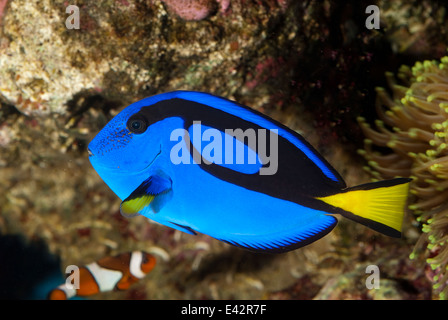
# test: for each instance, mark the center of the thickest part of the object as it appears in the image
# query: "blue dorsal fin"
(151, 195)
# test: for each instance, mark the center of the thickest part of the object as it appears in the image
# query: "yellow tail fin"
(378, 205)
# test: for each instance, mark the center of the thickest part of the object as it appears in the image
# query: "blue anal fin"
(285, 241)
(182, 228)
(149, 197)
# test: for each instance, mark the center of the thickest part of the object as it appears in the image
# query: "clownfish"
(197, 162)
(107, 274)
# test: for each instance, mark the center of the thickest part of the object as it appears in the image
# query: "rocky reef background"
(313, 65)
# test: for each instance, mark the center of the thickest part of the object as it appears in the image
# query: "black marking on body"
(298, 179)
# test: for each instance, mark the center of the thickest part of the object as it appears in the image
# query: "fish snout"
(90, 152)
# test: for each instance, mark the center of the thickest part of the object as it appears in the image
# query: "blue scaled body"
(203, 164)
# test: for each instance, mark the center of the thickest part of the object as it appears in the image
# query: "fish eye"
(137, 124)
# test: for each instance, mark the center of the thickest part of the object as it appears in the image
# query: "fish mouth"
(118, 169)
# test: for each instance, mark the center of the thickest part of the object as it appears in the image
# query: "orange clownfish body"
(107, 274)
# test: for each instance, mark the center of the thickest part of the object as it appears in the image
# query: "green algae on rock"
(126, 50)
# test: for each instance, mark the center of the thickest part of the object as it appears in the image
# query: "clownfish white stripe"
(107, 274)
(69, 292)
(105, 278)
(135, 264)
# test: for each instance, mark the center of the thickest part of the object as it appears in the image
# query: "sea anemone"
(410, 140)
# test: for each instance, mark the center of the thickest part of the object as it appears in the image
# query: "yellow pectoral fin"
(132, 207)
(151, 194)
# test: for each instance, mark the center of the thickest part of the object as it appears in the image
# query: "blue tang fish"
(196, 162)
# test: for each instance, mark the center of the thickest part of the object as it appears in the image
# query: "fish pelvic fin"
(377, 205)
